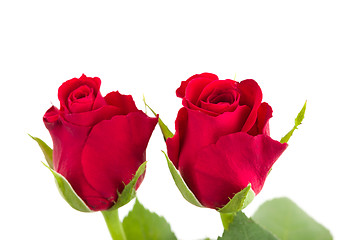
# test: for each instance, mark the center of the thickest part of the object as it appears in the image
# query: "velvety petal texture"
(99, 142)
(109, 165)
(222, 141)
(225, 168)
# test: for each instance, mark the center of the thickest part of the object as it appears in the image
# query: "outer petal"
(68, 143)
(262, 122)
(114, 150)
(124, 102)
(250, 95)
(51, 115)
(174, 144)
(202, 130)
(93, 117)
(264, 115)
(225, 168)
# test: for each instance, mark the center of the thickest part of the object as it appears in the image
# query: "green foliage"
(298, 120)
(244, 228)
(181, 185)
(141, 224)
(68, 193)
(287, 221)
(70, 196)
(164, 129)
(129, 191)
(47, 151)
(239, 201)
(64, 187)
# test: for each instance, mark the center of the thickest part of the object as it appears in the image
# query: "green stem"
(114, 224)
(226, 219)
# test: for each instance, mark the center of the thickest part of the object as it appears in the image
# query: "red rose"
(222, 140)
(99, 142)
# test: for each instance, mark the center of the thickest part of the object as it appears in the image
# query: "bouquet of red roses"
(219, 157)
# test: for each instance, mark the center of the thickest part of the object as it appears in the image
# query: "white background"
(296, 50)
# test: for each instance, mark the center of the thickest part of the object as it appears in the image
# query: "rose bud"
(222, 142)
(99, 142)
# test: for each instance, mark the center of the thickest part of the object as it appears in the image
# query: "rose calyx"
(72, 198)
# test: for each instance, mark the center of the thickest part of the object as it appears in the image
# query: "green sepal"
(68, 193)
(298, 121)
(47, 151)
(129, 191)
(283, 218)
(181, 185)
(70, 196)
(64, 187)
(239, 201)
(164, 129)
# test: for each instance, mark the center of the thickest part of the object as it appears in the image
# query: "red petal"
(195, 87)
(124, 102)
(225, 168)
(67, 87)
(250, 95)
(93, 117)
(68, 141)
(219, 97)
(81, 99)
(51, 115)
(174, 144)
(202, 130)
(262, 122)
(114, 150)
(180, 92)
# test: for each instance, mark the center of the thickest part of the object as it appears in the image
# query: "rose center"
(222, 98)
(81, 99)
(79, 95)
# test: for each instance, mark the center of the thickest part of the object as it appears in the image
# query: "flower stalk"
(226, 219)
(114, 224)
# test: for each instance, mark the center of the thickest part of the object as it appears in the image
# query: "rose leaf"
(245, 228)
(141, 224)
(286, 220)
